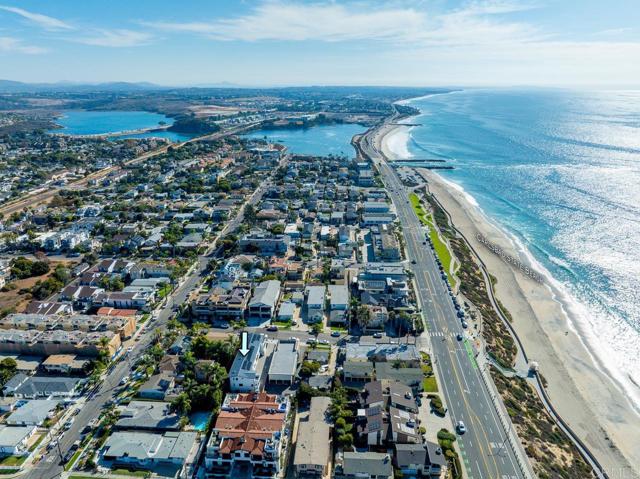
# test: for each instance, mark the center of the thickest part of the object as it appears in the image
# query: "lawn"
(340, 329)
(37, 443)
(165, 290)
(417, 207)
(439, 246)
(430, 385)
(125, 472)
(286, 325)
(13, 461)
(73, 460)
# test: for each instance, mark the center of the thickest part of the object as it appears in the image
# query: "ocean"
(559, 171)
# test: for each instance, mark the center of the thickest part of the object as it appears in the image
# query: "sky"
(351, 42)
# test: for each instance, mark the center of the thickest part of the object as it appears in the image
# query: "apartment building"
(247, 437)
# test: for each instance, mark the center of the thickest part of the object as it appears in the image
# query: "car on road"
(335, 334)
(413, 261)
(465, 325)
(461, 428)
(272, 328)
(459, 337)
(424, 243)
(124, 380)
(377, 335)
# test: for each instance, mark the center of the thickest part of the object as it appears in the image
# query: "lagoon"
(321, 140)
(82, 122)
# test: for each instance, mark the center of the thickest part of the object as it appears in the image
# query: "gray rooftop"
(145, 445)
(148, 415)
(285, 359)
(371, 463)
(313, 444)
(32, 412)
(12, 436)
(266, 293)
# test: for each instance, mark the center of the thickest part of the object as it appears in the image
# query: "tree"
(181, 404)
(308, 368)
(316, 328)
(250, 214)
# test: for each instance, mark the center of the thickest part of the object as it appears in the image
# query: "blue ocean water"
(318, 140)
(559, 171)
(81, 122)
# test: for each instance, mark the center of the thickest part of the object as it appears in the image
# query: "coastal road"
(485, 450)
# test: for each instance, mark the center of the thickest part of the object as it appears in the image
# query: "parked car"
(377, 335)
(459, 337)
(335, 334)
(272, 328)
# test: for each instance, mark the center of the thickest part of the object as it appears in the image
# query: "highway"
(485, 452)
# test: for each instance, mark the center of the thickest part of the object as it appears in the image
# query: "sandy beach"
(582, 393)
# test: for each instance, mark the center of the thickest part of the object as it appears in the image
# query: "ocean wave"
(584, 318)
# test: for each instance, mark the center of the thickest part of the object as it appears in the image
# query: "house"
(286, 311)
(408, 354)
(321, 382)
(148, 416)
(145, 450)
(82, 297)
(376, 207)
(372, 424)
(409, 376)
(420, 460)
(375, 318)
(31, 387)
(365, 465)
(264, 244)
(247, 437)
(338, 303)
(313, 444)
(284, 362)
(318, 355)
(140, 299)
(48, 308)
(358, 371)
(246, 370)
(221, 304)
(14, 440)
(315, 303)
(265, 299)
(157, 386)
(404, 427)
(32, 413)
(65, 364)
(401, 397)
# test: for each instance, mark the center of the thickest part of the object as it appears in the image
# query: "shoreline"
(583, 394)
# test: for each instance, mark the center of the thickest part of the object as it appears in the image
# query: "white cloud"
(477, 22)
(14, 45)
(613, 32)
(116, 38)
(46, 22)
(329, 22)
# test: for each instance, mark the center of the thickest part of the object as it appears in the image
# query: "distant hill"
(10, 86)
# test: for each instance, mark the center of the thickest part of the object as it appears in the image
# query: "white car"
(461, 428)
